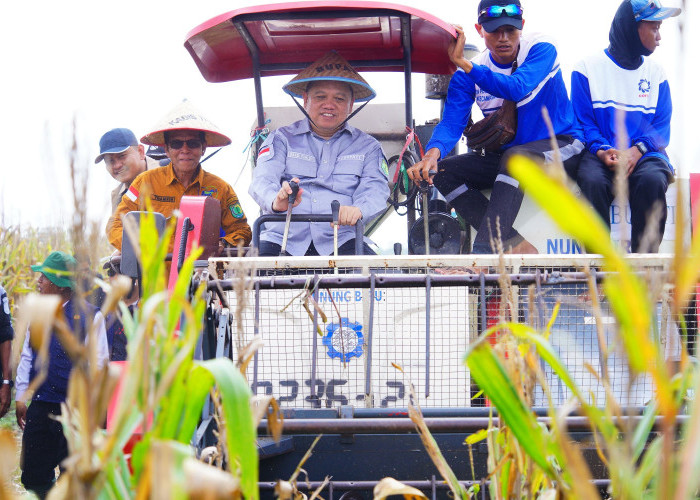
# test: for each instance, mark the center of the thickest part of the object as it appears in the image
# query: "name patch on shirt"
(208, 191)
(300, 156)
(359, 157)
(482, 96)
(163, 199)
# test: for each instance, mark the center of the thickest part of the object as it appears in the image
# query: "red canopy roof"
(290, 36)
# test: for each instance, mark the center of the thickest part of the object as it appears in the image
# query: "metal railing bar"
(419, 484)
(404, 281)
(436, 425)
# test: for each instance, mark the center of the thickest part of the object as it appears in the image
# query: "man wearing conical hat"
(330, 160)
(185, 134)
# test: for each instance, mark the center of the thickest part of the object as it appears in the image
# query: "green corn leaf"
(489, 373)
(172, 406)
(648, 470)
(477, 437)
(642, 431)
(625, 291)
(547, 353)
(198, 385)
(689, 453)
(240, 428)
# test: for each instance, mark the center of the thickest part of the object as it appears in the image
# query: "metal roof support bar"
(407, 67)
(255, 55)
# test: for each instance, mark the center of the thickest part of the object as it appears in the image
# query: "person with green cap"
(43, 444)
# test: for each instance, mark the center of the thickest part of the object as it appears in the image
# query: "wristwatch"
(8, 382)
(641, 147)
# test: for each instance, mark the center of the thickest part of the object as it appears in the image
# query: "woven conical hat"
(331, 67)
(184, 116)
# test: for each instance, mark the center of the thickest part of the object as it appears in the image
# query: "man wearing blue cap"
(623, 78)
(515, 67)
(124, 158)
(329, 159)
(43, 444)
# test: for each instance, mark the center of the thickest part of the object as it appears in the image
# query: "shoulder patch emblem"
(132, 193)
(385, 167)
(236, 210)
(265, 151)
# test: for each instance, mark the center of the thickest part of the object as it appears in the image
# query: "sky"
(79, 68)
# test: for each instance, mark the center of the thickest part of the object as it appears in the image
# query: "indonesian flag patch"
(265, 151)
(132, 193)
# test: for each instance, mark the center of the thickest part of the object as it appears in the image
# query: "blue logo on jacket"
(644, 85)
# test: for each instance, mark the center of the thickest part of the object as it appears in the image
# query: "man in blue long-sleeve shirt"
(330, 160)
(621, 78)
(487, 80)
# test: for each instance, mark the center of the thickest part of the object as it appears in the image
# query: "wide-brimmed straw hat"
(184, 116)
(331, 67)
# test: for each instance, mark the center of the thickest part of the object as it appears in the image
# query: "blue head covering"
(625, 45)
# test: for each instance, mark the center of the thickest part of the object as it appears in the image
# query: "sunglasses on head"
(502, 10)
(191, 143)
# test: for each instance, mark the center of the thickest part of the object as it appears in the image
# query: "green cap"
(59, 268)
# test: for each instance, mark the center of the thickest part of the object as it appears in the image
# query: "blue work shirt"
(348, 167)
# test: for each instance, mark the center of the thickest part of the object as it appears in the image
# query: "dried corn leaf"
(40, 313)
(204, 482)
(390, 486)
(118, 288)
(284, 490)
(431, 446)
(8, 463)
(246, 354)
(266, 406)
(318, 490)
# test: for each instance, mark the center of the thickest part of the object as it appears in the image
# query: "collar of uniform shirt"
(305, 127)
(172, 179)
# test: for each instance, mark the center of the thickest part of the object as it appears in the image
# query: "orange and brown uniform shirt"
(165, 192)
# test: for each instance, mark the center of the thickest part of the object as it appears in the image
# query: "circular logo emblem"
(344, 341)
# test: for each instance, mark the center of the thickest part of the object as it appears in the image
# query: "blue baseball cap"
(651, 10)
(496, 13)
(116, 141)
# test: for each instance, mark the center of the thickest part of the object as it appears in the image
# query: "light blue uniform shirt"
(348, 167)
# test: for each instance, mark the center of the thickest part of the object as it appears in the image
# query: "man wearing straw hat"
(44, 445)
(329, 159)
(185, 134)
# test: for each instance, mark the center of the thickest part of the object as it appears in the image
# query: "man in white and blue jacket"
(622, 78)
(44, 445)
(487, 80)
